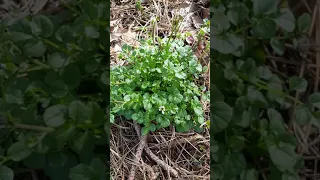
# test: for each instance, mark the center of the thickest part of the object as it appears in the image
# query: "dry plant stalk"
(164, 165)
(142, 144)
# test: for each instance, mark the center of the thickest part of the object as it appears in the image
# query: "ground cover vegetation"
(156, 89)
(159, 90)
(54, 94)
(264, 92)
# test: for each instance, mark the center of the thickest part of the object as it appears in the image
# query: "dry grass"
(21, 8)
(188, 153)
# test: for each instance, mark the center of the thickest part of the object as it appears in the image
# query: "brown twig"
(142, 144)
(315, 12)
(307, 6)
(164, 165)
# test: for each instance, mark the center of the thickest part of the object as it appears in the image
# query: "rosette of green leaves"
(156, 76)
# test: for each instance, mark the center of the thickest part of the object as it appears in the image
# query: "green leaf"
(35, 160)
(198, 111)
(221, 117)
(264, 72)
(283, 156)
(92, 32)
(235, 163)
(18, 151)
(219, 172)
(96, 114)
(298, 84)
(277, 46)
(177, 98)
(6, 173)
(276, 121)
(200, 119)
(23, 26)
(275, 83)
(147, 104)
(314, 99)
(138, 116)
(226, 44)
(111, 118)
(56, 159)
(20, 37)
(302, 114)
(181, 75)
(104, 78)
(58, 60)
(250, 174)
(91, 66)
(71, 76)
(54, 115)
(93, 11)
(58, 89)
(262, 7)
(60, 162)
(98, 167)
(245, 119)
(256, 97)
(14, 96)
(80, 141)
(216, 94)
(144, 130)
(64, 34)
(236, 143)
(304, 22)
(126, 98)
(81, 172)
(35, 48)
(65, 133)
(78, 111)
(238, 13)
(287, 176)
(42, 26)
(286, 20)
(220, 23)
(264, 28)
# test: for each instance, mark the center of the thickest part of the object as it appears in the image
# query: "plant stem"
(47, 41)
(37, 62)
(261, 85)
(29, 127)
(5, 159)
(65, 4)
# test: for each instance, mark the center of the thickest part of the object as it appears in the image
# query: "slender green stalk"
(29, 127)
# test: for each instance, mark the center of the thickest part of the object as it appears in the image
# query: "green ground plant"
(249, 133)
(157, 89)
(53, 98)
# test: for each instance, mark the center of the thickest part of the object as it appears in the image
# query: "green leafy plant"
(250, 135)
(53, 96)
(157, 88)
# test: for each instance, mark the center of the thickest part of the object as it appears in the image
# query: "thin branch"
(164, 165)
(142, 144)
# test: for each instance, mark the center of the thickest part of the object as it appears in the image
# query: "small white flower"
(162, 109)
